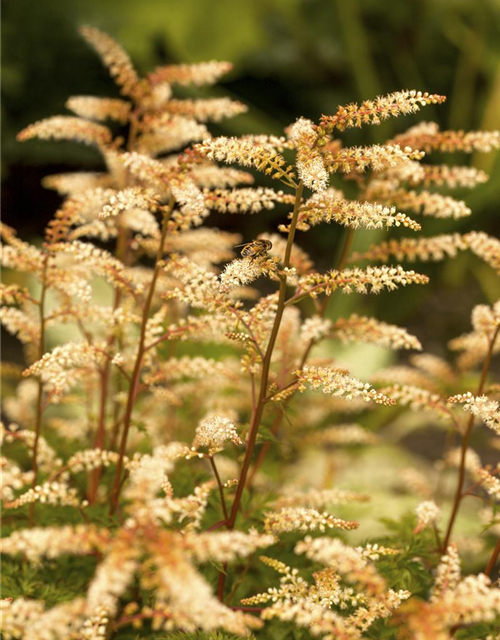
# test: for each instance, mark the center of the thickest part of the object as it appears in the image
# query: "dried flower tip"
(115, 59)
(337, 383)
(302, 519)
(375, 111)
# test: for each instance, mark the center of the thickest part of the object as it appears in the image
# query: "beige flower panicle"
(309, 160)
(330, 206)
(208, 175)
(375, 111)
(62, 368)
(428, 137)
(185, 74)
(369, 280)
(166, 133)
(490, 483)
(423, 202)
(99, 109)
(248, 152)
(342, 435)
(428, 513)
(418, 399)
(362, 329)
(433, 249)
(52, 493)
(213, 432)
(318, 498)
(304, 519)
(116, 60)
(482, 407)
(67, 128)
(376, 157)
(338, 383)
(243, 271)
(204, 110)
(244, 200)
(444, 175)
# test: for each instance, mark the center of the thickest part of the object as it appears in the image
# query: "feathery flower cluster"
(428, 513)
(303, 519)
(363, 329)
(180, 363)
(330, 206)
(428, 137)
(482, 407)
(214, 432)
(369, 280)
(375, 111)
(338, 383)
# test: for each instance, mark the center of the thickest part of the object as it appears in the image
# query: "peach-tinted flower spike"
(427, 137)
(67, 128)
(115, 59)
(184, 74)
(375, 111)
(99, 109)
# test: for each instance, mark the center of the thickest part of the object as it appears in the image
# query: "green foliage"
(53, 581)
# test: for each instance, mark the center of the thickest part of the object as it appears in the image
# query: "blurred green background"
(291, 57)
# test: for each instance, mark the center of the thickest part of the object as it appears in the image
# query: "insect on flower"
(256, 248)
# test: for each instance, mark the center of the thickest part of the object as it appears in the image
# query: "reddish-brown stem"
(322, 310)
(465, 447)
(492, 561)
(221, 488)
(136, 374)
(264, 381)
(39, 412)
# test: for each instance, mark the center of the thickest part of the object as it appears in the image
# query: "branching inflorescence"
(179, 463)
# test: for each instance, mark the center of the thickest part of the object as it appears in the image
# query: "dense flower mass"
(163, 429)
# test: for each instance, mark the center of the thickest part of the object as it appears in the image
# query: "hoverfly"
(256, 248)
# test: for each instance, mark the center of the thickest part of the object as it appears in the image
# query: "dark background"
(291, 58)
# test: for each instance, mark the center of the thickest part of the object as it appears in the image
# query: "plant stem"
(264, 381)
(136, 374)
(465, 446)
(492, 561)
(322, 310)
(39, 410)
(221, 488)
